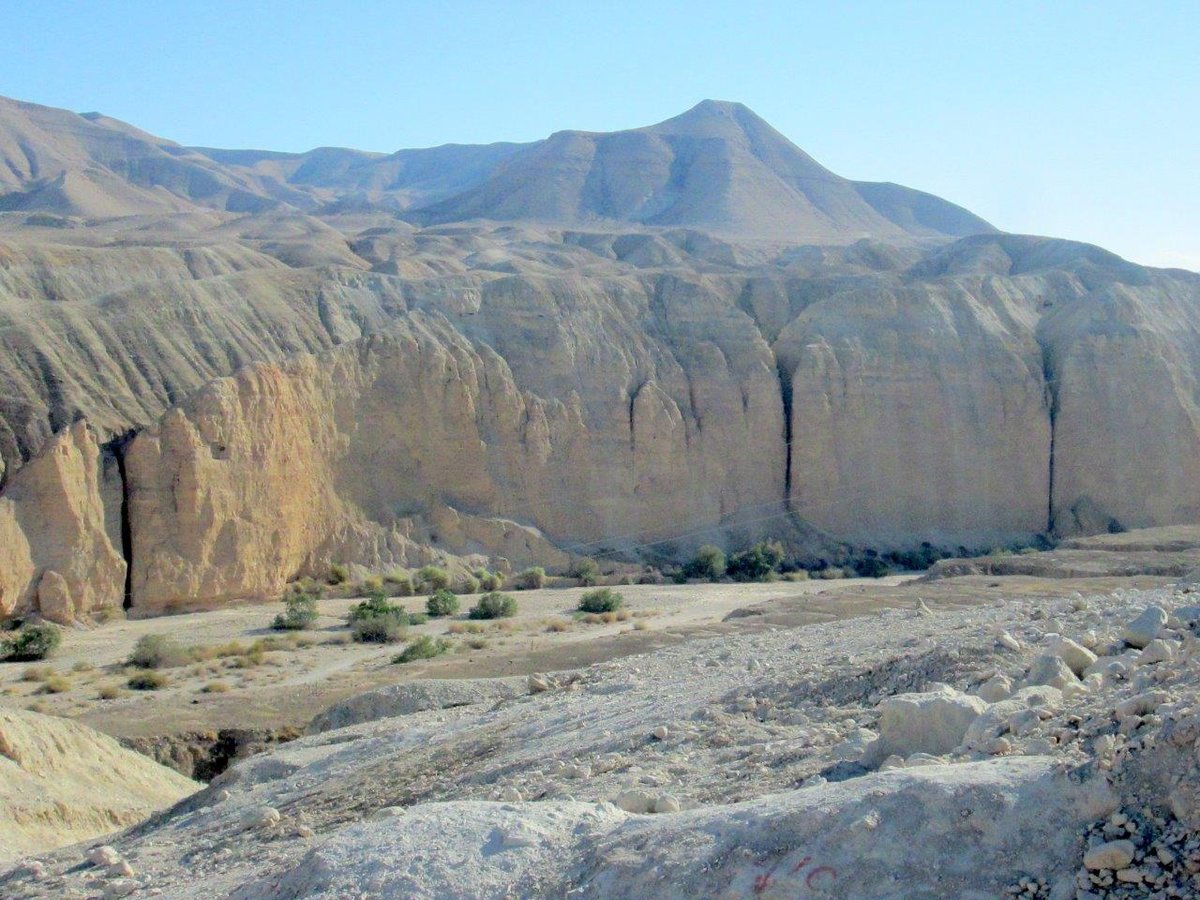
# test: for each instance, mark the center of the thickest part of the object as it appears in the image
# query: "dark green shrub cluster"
(916, 560)
(423, 647)
(601, 600)
(532, 579)
(441, 603)
(299, 607)
(30, 642)
(870, 566)
(758, 563)
(376, 621)
(709, 563)
(493, 605)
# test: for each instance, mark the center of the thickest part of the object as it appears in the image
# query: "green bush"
(468, 585)
(399, 582)
(300, 608)
(441, 603)
(871, 567)
(338, 574)
(423, 647)
(158, 651)
(587, 571)
(709, 562)
(381, 629)
(376, 606)
(601, 600)
(494, 605)
(491, 581)
(758, 563)
(431, 578)
(30, 642)
(532, 579)
(148, 681)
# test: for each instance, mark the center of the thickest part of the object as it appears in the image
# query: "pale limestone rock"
(996, 688)
(1050, 670)
(1156, 651)
(1145, 628)
(933, 722)
(1077, 657)
(1111, 855)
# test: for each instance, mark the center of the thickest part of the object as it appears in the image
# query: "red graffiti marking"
(820, 870)
(761, 882)
(800, 865)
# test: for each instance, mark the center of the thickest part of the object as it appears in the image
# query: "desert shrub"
(157, 651)
(489, 581)
(36, 673)
(756, 563)
(383, 629)
(30, 642)
(557, 626)
(148, 681)
(601, 600)
(215, 687)
(830, 572)
(338, 574)
(709, 562)
(431, 578)
(399, 582)
(108, 692)
(441, 603)
(423, 647)
(586, 570)
(870, 566)
(56, 684)
(532, 579)
(797, 575)
(299, 609)
(468, 585)
(494, 605)
(376, 606)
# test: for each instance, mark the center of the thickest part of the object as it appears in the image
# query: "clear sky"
(1071, 119)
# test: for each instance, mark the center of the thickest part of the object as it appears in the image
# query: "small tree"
(709, 562)
(299, 608)
(601, 600)
(376, 606)
(489, 581)
(586, 571)
(532, 579)
(431, 578)
(381, 629)
(441, 603)
(469, 585)
(494, 605)
(158, 651)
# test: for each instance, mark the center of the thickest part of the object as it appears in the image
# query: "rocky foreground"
(1024, 748)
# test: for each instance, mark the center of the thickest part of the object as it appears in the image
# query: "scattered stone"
(104, 856)
(996, 688)
(1112, 855)
(1156, 651)
(1006, 640)
(661, 733)
(260, 817)
(1050, 670)
(1077, 658)
(539, 684)
(1145, 628)
(931, 722)
(666, 804)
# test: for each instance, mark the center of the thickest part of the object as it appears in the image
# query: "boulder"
(1145, 628)
(931, 722)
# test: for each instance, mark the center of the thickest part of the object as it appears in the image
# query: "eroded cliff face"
(421, 437)
(520, 397)
(56, 556)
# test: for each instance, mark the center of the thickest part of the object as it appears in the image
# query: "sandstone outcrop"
(56, 554)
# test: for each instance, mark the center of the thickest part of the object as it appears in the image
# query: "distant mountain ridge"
(718, 167)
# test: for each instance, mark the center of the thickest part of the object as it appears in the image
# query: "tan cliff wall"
(415, 437)
(56, 556)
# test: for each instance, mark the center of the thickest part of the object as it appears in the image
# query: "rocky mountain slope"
(1015, 749)
(268, 392)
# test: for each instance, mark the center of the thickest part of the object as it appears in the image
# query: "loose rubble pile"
(1024, 749)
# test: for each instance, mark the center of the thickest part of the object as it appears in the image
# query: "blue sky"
(1072, 119)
